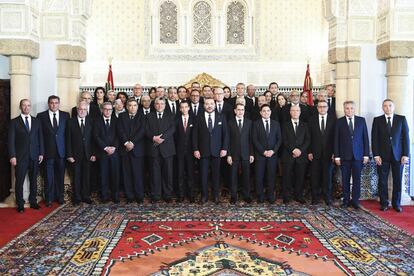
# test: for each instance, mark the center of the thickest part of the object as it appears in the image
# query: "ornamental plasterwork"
(235, 23)
(202, 23)
(168, 23)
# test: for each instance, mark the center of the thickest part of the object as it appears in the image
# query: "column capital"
(69, 52)
(344, 54)
(395, 49)
(19, 47)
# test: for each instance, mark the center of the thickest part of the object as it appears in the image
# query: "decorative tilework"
(202, 23)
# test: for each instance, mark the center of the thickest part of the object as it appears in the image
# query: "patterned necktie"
(389, 124)
(185, 124)
(351, 127)
(210, 123)
(55, 124)
(26, 122)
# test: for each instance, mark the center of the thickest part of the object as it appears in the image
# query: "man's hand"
(157, 139)
(404, 160)
(71, 159)
(366, 160)
(129, 146)
(251, 159)
(223, 153)
(378, 160)
(310, 156)
(40, 158)
(13, 161)
(197, 154)
(296, 153)
(93, 158)
(229, 160)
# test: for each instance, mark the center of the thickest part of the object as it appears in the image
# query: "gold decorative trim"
(69, 52)
(204, 79)
(393, 49)
(19, 47)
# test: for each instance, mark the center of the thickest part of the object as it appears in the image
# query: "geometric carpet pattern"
(188, 239)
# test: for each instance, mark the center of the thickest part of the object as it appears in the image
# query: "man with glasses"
(137, 93)
(321, 129)
(92, 110)
(106, 140)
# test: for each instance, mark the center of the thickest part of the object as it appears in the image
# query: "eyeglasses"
(322, 106)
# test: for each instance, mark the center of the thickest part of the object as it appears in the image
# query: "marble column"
(20, 53)
(341, 93)
(68, 73)
(396, 55)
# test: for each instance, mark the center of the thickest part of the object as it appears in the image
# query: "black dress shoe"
(140, 200)
(356, 206)
(286, 201)
(20, 209)
(48, 204)
(233, 201)
(61, 201)
(35, 206)
(260, 201)
(168, 200)
(155, 201)
(300, 200)
(315, 202)
(217, 201)
(384, 208)
(398, 209)
(192, 199)
(203, 201)
(328, 203)
(180, 200)
(129, 200)
(344, 205)
(76, 202)
(248, 200)
(87, 201)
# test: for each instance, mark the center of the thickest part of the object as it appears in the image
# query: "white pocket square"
(219, 123)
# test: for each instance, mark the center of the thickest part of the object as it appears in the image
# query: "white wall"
(43, 82)
(373, 84)
(410, 123)
(4, 68)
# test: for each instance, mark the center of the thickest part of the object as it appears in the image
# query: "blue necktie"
(351, 127)
(26, 122)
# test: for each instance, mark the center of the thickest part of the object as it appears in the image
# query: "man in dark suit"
(131, 135)
(210, 144)
(26, 150)
(240, 88)
(195, 106)
(145, 107)
(294, 101)
(391, 149)
(143, 111)
(255, 115)
(92, 110)
(138, 94)
(296, 140)
(331, 100)
(106, 140)
(53, 123)
(185, 159)
(240, 152)
(351, 151)
(274, 90)
(222, 107)
(251, 94)
(172, 103)
(80, 152)
(267, 139)
(160, 130)
(321, 129)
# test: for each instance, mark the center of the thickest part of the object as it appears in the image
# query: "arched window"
(202, 23)
(236, 15)
(168, 23)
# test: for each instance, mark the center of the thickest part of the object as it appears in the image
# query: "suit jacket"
(169, 110)
(249, 103)
(22, 144)
(226, 110)
(394, 145)
(262, 142)
(54, 141)
(241, 146)
(349, 147)
(321, 145)
(131, 130)
(200, 109)
(305, 113)
(79, 146)
(300, 140)
(103, 137)
(184, 139)
(94, 111)
(141, 110)
(210, 144)
(167, 128)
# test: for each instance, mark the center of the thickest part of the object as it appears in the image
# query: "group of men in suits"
(173, 138)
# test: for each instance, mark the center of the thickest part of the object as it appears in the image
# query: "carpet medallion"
(183, 239)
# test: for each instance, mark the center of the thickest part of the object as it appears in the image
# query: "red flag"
(307, 86)
(110, 80)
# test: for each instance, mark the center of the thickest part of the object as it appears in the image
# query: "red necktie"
(185, 124)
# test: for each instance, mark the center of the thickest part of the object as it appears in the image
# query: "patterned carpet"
(209, 240)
